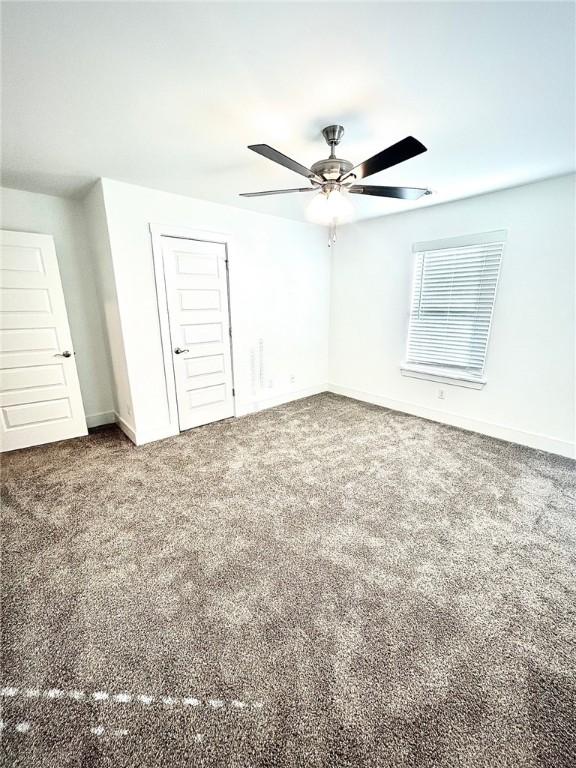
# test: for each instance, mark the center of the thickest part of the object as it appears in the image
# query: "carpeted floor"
(325, 583)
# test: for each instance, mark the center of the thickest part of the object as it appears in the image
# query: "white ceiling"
(168, 95)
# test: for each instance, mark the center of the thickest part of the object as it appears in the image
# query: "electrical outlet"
(441, 394)
(292, 378)
(270, 384)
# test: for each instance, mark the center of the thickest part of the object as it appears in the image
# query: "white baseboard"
(141, 438)
(128, 430)
(242, 409)
(99, 419)
(512, 435)
(262, 403)
(151, 436)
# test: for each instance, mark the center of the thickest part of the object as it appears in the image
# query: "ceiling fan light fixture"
(330, 207)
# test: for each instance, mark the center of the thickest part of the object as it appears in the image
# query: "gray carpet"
(325, 583)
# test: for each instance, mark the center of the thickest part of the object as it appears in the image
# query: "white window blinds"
(452, 302)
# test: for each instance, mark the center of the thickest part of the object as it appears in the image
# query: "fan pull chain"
(331, 234)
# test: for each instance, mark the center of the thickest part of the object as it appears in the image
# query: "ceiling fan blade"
(397, 153)
(404, 193)
(277, 192)
(287, 162)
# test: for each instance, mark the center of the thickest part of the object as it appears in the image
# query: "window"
(452, 301)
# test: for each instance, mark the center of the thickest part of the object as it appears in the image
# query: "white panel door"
(197, 295)
(40, 397)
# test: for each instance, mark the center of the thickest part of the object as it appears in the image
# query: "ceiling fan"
(333, 176)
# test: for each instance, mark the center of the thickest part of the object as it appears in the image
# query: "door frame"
(157, 232)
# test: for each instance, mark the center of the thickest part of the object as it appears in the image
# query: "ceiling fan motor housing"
(332, 168)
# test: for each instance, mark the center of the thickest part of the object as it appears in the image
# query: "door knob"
(66, 353)
(179, 351)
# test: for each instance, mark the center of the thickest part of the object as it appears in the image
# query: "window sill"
(442, 375)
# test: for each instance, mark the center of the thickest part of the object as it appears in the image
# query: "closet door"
(40, 398)
(197, 295)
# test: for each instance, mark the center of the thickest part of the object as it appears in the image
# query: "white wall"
(530, 394)
(99, 238)
(279, 291)
(63, 218)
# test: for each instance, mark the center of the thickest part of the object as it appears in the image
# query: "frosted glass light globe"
(333, 208)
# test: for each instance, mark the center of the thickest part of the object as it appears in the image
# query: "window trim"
(442, 375)
(446, 375)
